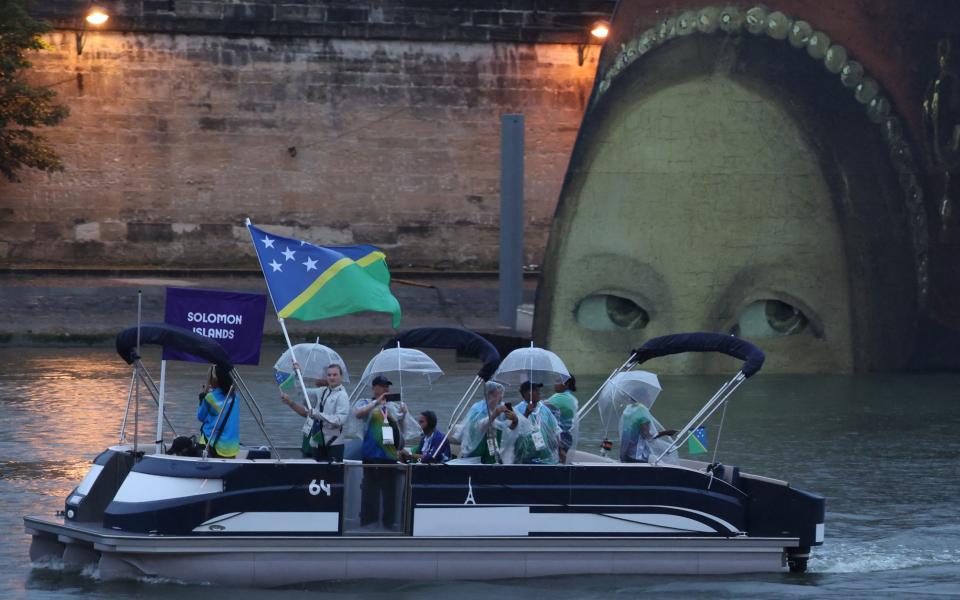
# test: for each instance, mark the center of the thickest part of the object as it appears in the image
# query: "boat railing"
(375, 499)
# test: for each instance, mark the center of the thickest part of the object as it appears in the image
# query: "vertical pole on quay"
(511, 218)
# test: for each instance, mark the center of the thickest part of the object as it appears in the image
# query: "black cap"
(525, 386)
(381, 380)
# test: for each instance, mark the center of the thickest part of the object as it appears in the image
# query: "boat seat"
(729, 474)
(583, 457)
(254, 453)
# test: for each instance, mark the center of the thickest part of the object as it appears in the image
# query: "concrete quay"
(89, 307)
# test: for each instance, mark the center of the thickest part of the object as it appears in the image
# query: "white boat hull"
(259, 561)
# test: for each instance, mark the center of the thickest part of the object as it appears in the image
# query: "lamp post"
(95, 16)
(599, 31)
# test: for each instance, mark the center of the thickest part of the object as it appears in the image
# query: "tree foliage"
(23, 107)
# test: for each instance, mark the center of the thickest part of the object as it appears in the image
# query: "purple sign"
(232, 319)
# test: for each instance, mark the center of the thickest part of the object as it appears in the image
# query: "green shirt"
(565, 406)
(373, 445)
(633, 444)
(483, 449)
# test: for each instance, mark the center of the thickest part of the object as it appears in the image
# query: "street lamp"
(95, 16)
(599, 31)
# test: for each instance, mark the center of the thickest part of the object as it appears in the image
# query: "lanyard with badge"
(537, 434)
(308, 425)
(492, 441)
(387, 430)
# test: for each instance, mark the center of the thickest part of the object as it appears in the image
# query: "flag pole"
(283, 327)
(296, 365)
(126, 412)
(136, 409)
(163, 383)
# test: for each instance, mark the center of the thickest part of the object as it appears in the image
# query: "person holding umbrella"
(637, 431)
(491, 427)
(635, 393)
(541, 446)
(382, 441)
(524, 366)
(323, 430)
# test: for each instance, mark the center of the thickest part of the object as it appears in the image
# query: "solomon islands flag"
(309, 282)
(286, 381)
(697, 443)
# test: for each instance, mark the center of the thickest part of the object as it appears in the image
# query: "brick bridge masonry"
(340, 122)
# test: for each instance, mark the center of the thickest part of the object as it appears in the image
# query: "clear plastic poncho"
(542, 449)
(477, 429)
(409, 427)
(630, 395)
(564, 406)
(638, 436)
(356, 427)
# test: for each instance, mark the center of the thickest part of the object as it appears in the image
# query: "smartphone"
(508, 405)
(394, 397)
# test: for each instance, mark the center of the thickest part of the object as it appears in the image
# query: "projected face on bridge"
(703, 208)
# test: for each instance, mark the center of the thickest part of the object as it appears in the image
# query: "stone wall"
(338, 122)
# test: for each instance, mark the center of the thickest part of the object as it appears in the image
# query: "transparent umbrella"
(314, 360)
(531, 364)
(626, 388)
(394, 364)
(402, 362)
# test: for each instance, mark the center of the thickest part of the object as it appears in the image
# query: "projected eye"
(606, 312)
(770, 319)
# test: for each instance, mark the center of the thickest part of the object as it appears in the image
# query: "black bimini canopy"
(703, 342)
(464, 341)
(160, 334)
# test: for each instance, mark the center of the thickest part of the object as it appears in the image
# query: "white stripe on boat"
(519, 521)
(280, 522)
(87, 483)
(143, 487)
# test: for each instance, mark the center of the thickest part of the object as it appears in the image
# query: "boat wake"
(91, 571)
(47, 564)
(919, 547)
(157, 580)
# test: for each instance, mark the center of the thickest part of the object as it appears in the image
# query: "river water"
(883, 449)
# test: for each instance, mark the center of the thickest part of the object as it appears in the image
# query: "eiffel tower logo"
(470, 499)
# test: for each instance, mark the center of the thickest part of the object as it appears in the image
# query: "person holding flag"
(309, 282)
(219, 418)
(323, 429)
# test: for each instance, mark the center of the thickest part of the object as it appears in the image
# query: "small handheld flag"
(697, 443)
(309, 282)
(286, 381)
